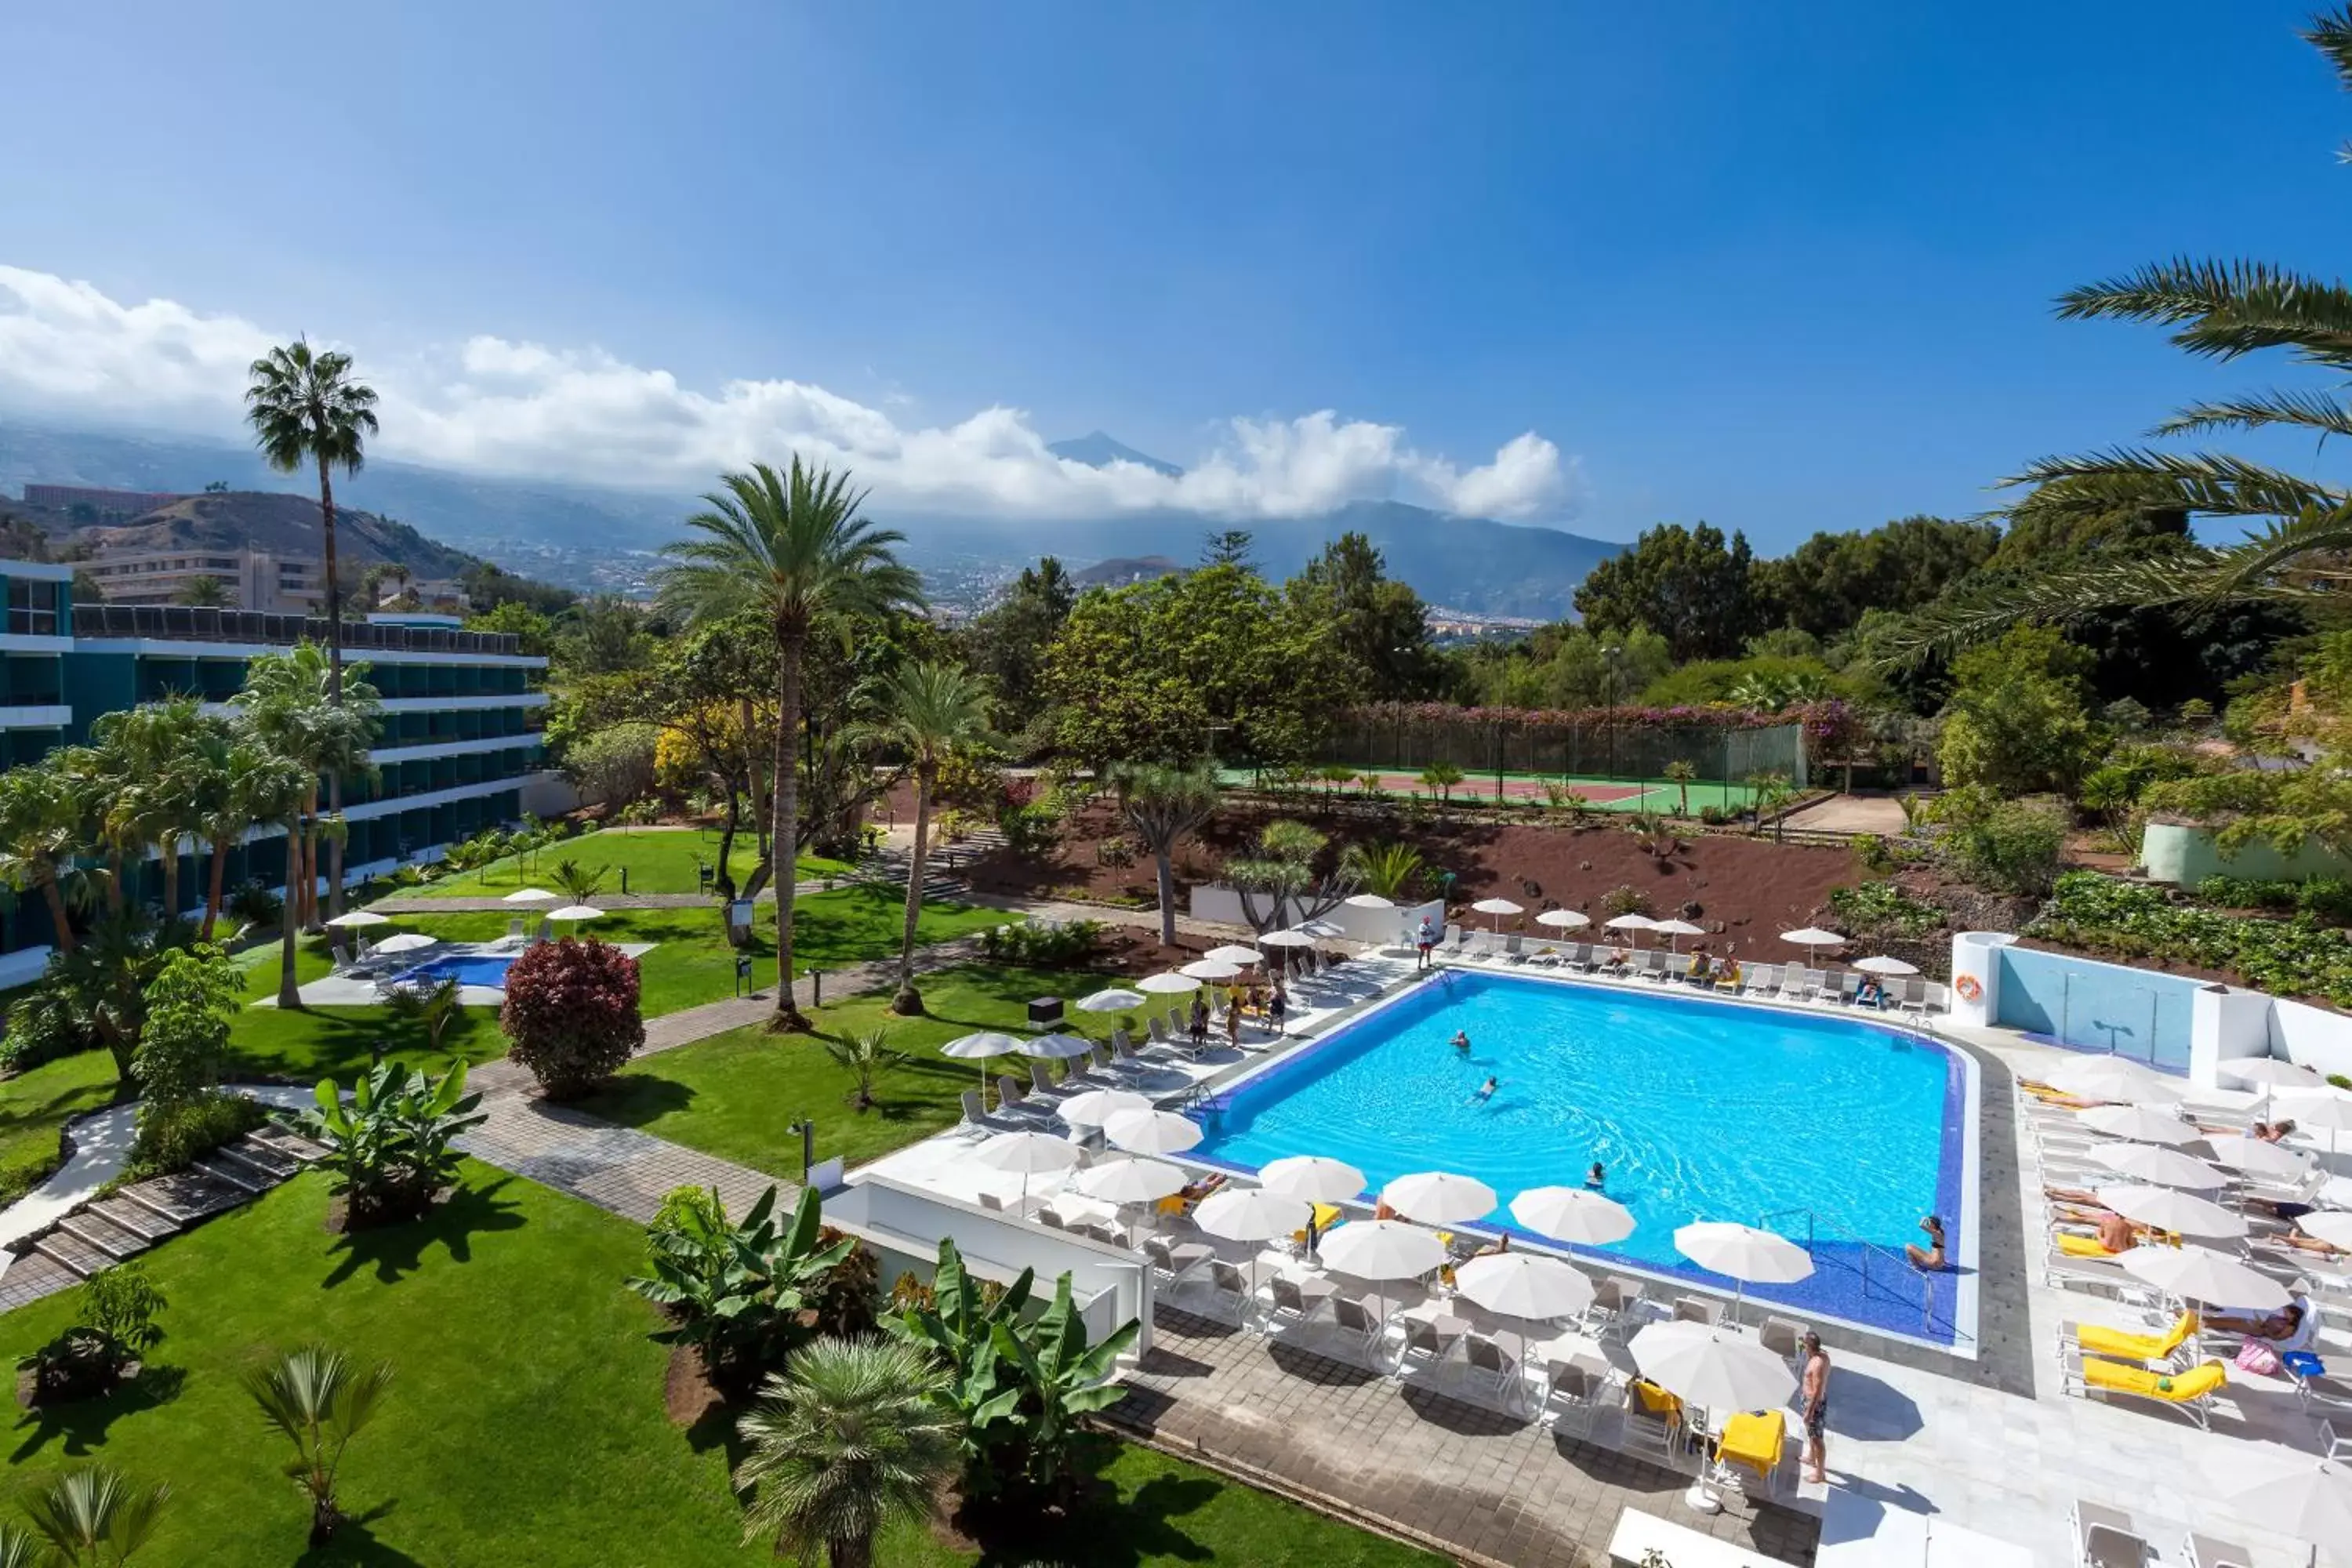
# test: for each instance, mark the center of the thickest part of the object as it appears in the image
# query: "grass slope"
(657, 860)
(737, 1094)
(35, 1105)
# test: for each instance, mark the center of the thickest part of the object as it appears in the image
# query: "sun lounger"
(1914, 997)
(1792, 983)
(2192, 1392)
(1009, 1092)
(1583, 957)
(1843, 992)
(1571, 1393)
(1041, 1078)
(1760, 979)
(1548, 956)
(1783, 1338)
(2121, 1345)
(1514, 949)
(1652, 1418)
(974, 1113)
(1488, 1362)
(2106, 1538)
(2204, 1552)
(1697, 1309)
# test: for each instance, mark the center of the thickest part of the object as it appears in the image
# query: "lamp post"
(807, 1130)
(1609, 657)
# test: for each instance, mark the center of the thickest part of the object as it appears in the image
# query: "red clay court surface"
(1475, 786)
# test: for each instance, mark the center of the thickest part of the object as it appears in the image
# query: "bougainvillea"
(571, 1014)
(1711, 717)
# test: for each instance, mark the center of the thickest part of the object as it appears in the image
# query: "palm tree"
(579, 883)
(2221, 311)
(868, 1056)
(1389, 869)
(206, 590)
(433, 1006)
(850, 1439)
(1161, 805)
(934, 709)
(321, 1401)
(94, 1516)
(290, 699)
(278, 788)
(305, 407)
(1443, 778)
(1679, 774)
(793, 548)
(149, 788)
(1772, 790)
(40, 829)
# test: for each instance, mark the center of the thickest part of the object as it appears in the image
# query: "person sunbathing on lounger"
(2281, 1328)
(1702, 967)
(1617, 957)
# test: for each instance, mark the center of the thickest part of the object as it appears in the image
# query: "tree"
(301, 705)
(1569, 666)
(1061, 1378)
(533, 632)
(305, 407)
(40, 816)
(571, 1014)
(320, 1401)
(710, 691)
(1227, 547)
(1213, 658)
(613, 767)
(935, 709)
(94, 1518)
(1282, 873)
(148, 790)
(432, 1006)
(849, 1440)
(1160, 805)
(1380, 625)
(202, 590)
(1442, 779)
(1390, 870)
(1829, 583)
(741, 1295)
(867, 1057)
(1688, 584)
(1770, 791)
(390, 1148)
(793, 547)
(185, 1038)
(1009, 639)
(577, 882)
(1679, 774)
(2019, 721)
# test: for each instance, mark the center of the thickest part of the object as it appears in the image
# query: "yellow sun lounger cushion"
(1326, 1217)
(2173, 1388)
(1754, 1439)
(2098, 1340)
(2074, 1246)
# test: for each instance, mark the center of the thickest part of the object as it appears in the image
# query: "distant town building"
(439, 596)
(254, 579)
(109, 505)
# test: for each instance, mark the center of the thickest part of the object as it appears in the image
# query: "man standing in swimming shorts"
(1816, 1397)
(1424, 940)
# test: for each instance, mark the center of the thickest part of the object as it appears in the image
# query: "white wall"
(1381, 928)
(1976, 954)
(2311, 1037)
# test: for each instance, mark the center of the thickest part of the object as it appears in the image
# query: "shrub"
(390, 1148)
(2323, 898)
(2012, 848)
(2293, 957)
(742, 1295)
(1880, 911)
(848, 1300)
(189, 1005)
(1117, 852)
(1031, 832)
(251, 904)
(1714, 816)
(1625, 899)
(170, 1138)
(114, 1327)
(1870, 852)
(43, 1026)
(1042, 944)
(571, 1014)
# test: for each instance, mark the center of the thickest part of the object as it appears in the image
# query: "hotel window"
(32, 607)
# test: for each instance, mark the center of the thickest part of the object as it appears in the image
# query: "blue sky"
(1781, 267)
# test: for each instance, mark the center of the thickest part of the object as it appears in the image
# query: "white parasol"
(1812, 937)
(1717, 1371)
(1252, 1213)
(1744, 1252)
(1574, 1215)
(2256, 1157)
(1314, 1177)
(358, 918)
(2168, 1208)
(1879, 964)
(1371, 901)
(1635, 923)
(1131, 1182)
(1233, 953)
(1439, 1197)
(1057, 1048)
(1380, 1251)
(1498, 908)
(978, 1047)
(1211, 969)
(2301, 1494)
(406, 942)
(1564, 920)
(2165, 1167)
(2139, 1124)
(1285, 939)
(1676, 931)
(576, 912)
(1094, 1106)
(1152, 1132)
(2114, 1077)
(1166, 985)
(2201, 1274)
(2333, 1226)
(530, 896)
(1116, 999)
(1030, 1154)
(1524, 1284)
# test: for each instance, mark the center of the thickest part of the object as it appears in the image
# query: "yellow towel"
(1656, 1400)
(2074, 1246)
(1754, 1439)
(2099, 1340)
(2173, 1388)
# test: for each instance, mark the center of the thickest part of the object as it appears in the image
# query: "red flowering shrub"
(570, 1014)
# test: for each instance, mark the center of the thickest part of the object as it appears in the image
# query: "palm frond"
(2330, 32)
(2213, 484)
(2320, 411)
(2225, 309)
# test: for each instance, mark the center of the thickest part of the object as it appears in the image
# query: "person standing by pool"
(1930, 1258)
(1461, 1041)
(1422, 941)
(1276, 1007)
(1234, 1026)
(1816, 1396)
(1200, 1020)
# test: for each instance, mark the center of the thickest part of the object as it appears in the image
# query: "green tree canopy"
(2017, 721)
(1827, 584)
(1379, 624)
(1690, 585)
(1009, 639)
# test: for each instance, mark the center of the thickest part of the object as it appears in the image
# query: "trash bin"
(1044, 1012)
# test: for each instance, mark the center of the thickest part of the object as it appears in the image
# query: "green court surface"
(1600, 795)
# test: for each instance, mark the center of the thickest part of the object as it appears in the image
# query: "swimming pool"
(1812, 1124)
(488, 969)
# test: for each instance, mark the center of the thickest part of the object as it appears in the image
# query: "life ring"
(1970, 988)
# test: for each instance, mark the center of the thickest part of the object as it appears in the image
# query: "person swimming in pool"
(1597, 1177)
(1461, 1041)
(1487, 1089)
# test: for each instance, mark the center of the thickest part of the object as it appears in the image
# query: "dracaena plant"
(744, 1294)
(390, 1147)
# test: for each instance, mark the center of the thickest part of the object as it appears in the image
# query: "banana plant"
(390, 1146)
(1061, 1378)
(960, 1327)
(742, 1293)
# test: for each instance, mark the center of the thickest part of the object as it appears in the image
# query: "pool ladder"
(1892, 1265)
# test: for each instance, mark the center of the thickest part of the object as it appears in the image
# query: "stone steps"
(104, 1232)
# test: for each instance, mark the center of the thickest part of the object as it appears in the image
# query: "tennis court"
(1600, 795)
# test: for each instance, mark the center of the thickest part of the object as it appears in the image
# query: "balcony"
(192, 623)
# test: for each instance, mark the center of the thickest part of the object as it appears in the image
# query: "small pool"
(1822, 1127)
(488, 969)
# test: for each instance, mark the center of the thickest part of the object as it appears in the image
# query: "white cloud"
(501, 406)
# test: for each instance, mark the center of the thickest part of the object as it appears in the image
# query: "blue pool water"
(466, 968)
(1700, 1111)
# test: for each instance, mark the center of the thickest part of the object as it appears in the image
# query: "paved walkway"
(1489, 1487)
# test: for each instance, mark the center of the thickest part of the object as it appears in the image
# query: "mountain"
(1097, 450)
(284, 525)
(591, 537)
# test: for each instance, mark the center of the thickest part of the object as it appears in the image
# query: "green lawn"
(690, 964)
(524, 1423)
(35, 1105)
(657, 860)
(736, 1095)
